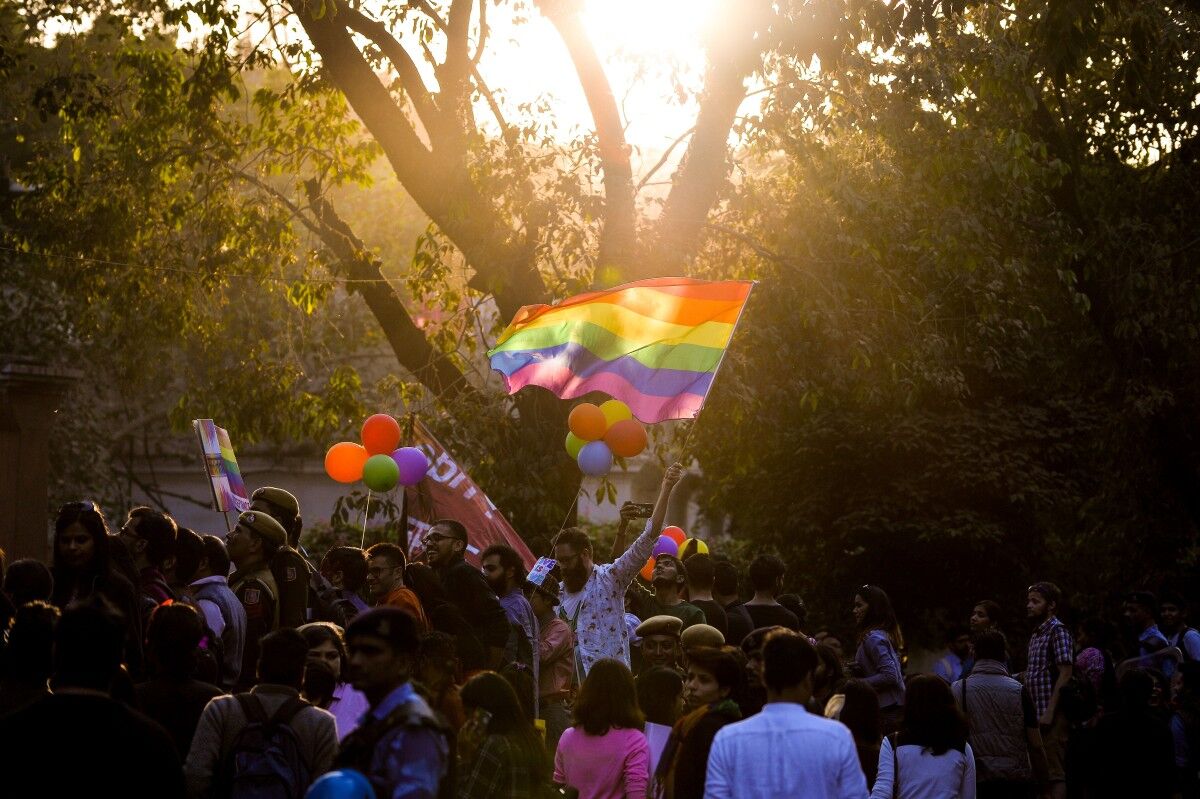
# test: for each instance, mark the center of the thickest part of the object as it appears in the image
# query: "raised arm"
(626, 566)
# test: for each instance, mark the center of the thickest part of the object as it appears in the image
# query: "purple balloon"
(412, 463)
(665, 546)
(595, 459)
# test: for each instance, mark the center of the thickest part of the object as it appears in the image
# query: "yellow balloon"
(692, 546)
(615, 411)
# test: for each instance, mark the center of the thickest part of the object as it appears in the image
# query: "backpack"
(265, 761)
(210, 659)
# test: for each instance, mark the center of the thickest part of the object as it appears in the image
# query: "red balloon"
(344, 462)
(380, 434)
(626, 438)
(675, 534)
(648, 570)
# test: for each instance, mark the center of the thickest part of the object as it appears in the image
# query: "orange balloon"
(345, 461)
(648, 570)
(380, 434)
(626, 438)
(675, 534)
(587, 421)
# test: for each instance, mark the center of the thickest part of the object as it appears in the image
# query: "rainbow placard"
(229, 492)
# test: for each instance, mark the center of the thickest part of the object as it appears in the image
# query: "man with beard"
(385, 583)
(669, 578)
(445, 545)
(504, 572)
(593, 597)
(1050, 664)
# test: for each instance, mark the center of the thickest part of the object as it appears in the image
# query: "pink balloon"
(412, 463)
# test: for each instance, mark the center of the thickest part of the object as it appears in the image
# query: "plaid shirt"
(497, 770)
(1051, 639)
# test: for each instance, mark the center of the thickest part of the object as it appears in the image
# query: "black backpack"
(265, 761)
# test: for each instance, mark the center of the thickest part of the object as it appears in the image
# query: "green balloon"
(574, 444)
(381, 473)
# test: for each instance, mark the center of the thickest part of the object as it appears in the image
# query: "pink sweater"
(615, 765)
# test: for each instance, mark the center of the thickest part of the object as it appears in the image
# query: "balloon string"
(366, 517)
(574, 502)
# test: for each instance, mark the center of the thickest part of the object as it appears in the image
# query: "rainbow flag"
(655, 344)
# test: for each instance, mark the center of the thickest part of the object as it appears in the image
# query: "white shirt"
(924, 775)
(212, 613)
(784, 751)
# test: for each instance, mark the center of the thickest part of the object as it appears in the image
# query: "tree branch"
(434, 369)
(410, 77)
(617, 237)
(438, 181)
(732, 57)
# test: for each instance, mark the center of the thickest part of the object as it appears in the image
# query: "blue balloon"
(341, 784)
(595, 459)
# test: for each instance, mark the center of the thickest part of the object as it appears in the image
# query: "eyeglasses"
(433, 539)
(83, 505)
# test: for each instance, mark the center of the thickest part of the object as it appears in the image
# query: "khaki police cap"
(284, 500)
(265, 526)
(702, 635)
(659, 625)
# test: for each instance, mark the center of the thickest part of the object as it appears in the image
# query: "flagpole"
(720, 362)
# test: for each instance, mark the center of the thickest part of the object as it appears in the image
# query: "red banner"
(448, 492)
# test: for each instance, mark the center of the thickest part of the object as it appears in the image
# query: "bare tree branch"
(665, 157)
(732, 57)
(410, 77)
(618, 240)
(437, 180)
(434, 369)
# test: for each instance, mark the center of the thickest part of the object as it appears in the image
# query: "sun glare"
(672, 29)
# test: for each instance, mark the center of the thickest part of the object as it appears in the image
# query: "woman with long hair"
(499, 752)
(877, 660)
(930, 757)
(83, 572)
(986, 615)
(860, 713)
(713, 677)
(605, 755)
(327, 648)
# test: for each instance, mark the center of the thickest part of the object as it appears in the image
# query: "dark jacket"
(469, 591)
(684, 762)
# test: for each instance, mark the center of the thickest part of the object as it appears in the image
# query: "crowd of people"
(154, 661)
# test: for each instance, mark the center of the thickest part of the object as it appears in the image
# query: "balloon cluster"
(600, 432)
(379, 461)
(673, 542)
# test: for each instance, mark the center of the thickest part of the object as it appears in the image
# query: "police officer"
(660, 642)
(252, 543)
(401, 746)
(288, 566)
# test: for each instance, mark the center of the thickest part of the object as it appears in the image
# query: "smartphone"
(645, 509)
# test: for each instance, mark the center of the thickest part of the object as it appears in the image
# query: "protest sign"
(448, 492)
(229, 492)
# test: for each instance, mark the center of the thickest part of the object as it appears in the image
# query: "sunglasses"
(433, 539)
(84, 505)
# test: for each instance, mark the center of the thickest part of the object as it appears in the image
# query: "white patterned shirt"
(597, 612)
